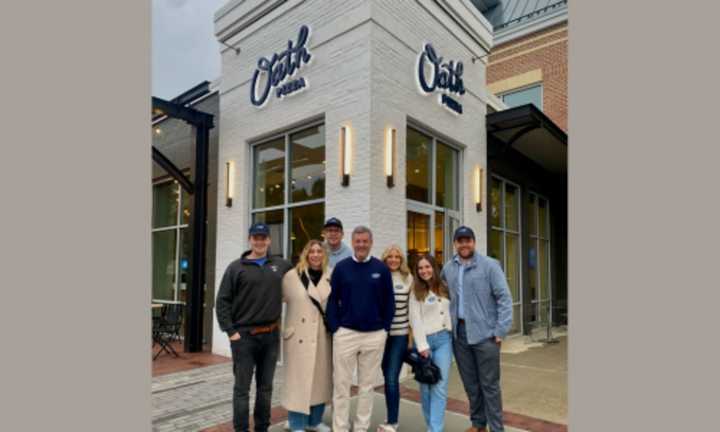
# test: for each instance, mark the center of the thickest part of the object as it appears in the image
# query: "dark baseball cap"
(463, 232)
(333, 221)
(259, 228)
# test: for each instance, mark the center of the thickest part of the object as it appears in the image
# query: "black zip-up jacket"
(249, 294)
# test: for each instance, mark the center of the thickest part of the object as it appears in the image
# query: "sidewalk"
(534, 383)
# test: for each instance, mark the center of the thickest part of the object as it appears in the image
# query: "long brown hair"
(422, 288)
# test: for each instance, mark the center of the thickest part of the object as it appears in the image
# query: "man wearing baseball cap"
(248, 307)
(481, 313)
(333, 233)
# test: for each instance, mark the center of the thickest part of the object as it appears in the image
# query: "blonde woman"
(429, 306)
(397, 342)
(307, 343)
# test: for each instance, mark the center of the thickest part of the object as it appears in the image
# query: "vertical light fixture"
(345, 154)
(478, 183)
(390, 146)
(229, 183)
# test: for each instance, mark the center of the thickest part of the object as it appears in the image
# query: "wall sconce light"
(229, 183)
(390, 146)
(345, 154)
(478, 182)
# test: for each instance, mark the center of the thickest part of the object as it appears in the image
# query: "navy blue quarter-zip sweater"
(362, 296)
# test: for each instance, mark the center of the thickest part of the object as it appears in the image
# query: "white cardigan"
(428, 317)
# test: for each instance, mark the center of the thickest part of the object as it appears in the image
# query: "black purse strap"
(306, 282)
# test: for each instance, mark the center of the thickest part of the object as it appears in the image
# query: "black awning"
(530, 132)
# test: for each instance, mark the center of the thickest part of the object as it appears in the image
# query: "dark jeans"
(256, 354)
(395, 348)
(479, 367)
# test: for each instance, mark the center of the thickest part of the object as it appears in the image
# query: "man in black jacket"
(248, 306)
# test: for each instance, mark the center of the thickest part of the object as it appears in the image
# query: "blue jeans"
(434, 397)
(300, 421)
(395, 348)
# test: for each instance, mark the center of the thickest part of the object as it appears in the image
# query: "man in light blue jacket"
(481, 312)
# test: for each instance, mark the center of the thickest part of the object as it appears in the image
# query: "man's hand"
(235, 337)
(498, 340)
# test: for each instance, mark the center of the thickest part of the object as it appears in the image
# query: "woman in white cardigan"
(307, 346)
(432, 332)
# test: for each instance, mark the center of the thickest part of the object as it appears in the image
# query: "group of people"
(349, 312)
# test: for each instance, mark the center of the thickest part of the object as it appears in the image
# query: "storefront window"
(274, 219)
(524, 96)
(446, 170)
(432, 194)
(165, 204)
(418, 235)
(269, 169)
(418, 166)
(307, 166)
(170, 242)
(297, 218)
(539, 257)
(306, 223)
(504, 241)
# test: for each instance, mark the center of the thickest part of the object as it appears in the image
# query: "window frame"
(177, 227)
(504, 231)
(287, 205)
(502, 95)
(429, 209)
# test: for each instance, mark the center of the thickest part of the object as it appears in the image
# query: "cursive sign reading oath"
(280, 67)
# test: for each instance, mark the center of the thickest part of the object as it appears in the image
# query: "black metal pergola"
(202, 123)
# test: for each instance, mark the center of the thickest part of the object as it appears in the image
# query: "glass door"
(539, 259)
(505, 234)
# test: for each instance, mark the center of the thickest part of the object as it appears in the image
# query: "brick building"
(527, 153)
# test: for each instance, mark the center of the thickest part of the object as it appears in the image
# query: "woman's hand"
(425, 353)
(235, 337)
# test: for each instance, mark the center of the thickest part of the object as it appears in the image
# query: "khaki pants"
(352, 349)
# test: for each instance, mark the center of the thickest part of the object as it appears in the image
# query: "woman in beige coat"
(307, 349)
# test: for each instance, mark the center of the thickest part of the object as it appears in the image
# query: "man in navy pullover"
(359, 312)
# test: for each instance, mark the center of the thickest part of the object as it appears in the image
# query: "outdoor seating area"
(167, 321)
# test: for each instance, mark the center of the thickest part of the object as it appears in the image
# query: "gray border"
(643, 178)
(75, 230)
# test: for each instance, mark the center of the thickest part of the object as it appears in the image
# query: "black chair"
(166, 329)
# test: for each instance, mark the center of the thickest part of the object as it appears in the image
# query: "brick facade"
(545, 50)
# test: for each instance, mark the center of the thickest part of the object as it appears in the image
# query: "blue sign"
(446, 77)
(279, 68)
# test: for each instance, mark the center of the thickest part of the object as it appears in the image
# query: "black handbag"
(424, 370)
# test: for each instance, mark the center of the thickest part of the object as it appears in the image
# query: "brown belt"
(263, 329)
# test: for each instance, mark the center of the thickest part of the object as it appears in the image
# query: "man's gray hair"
(362, 229)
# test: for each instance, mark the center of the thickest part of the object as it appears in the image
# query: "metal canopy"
(202, 123)
(530, 132)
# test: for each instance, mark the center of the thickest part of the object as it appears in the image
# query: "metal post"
(195, 299)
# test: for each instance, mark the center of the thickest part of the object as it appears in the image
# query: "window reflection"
(306, 224)
(418, 166)
(307, 165)
(269, 168)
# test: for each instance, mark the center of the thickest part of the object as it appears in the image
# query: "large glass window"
(432, 172)
(504, 242)
(539, 257)
(294, 204)
(418, 173)
(170, 242)
(532, 94)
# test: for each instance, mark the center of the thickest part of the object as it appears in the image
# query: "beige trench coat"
(307, 348)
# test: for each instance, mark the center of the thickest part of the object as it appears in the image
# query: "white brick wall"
(362, 74)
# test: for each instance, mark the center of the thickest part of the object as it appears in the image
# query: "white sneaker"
(387, 428)
(321, 427)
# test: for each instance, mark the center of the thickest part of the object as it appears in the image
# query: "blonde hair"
(303, 264)
(404, 269)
